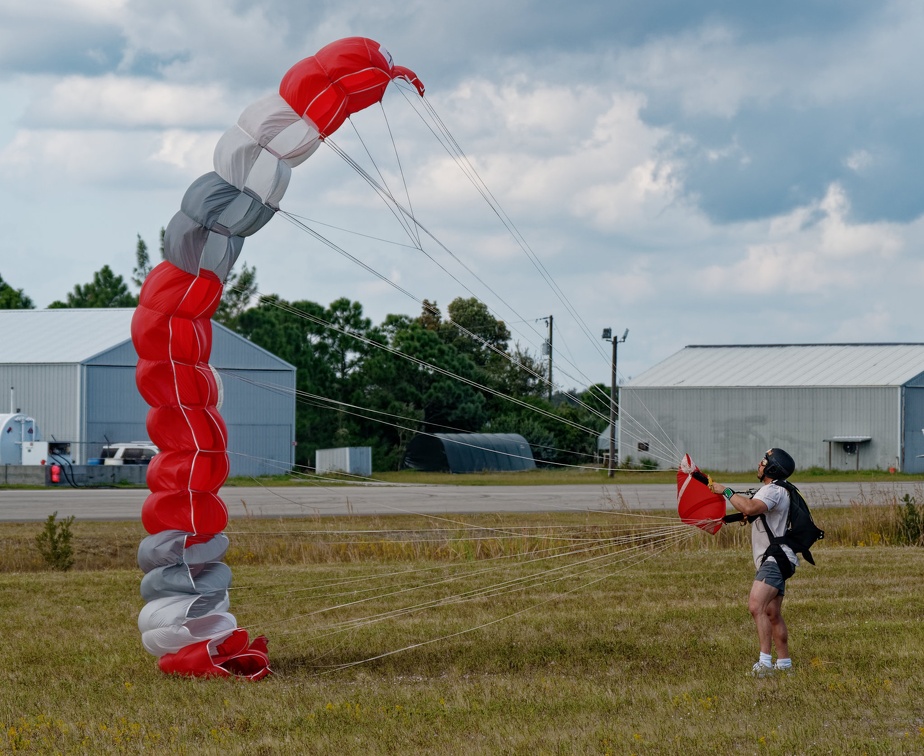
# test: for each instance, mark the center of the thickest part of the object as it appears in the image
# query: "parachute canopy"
(186, 622)
(696, 503)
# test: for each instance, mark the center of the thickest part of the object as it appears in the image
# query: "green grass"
(651, 660)
(575, 476)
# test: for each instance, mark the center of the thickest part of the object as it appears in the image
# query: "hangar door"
(913, 432)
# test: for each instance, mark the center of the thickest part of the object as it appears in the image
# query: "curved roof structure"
(469, 452)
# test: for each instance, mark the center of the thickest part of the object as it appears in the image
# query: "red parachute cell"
(696, 503)
(341, 79)
(199, 513)
(189, 470)
(162, 382)
(180, 428)
(234, 656)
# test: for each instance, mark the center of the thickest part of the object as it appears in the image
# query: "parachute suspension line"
(665, 457)
(392, 201)
(496, 588)
(429, 366)
(382, 277)
(662, 525)
(315, 400)
(386, 195)
(679, 532)
(455, 151)
(324, 240)
(471, 172)
(503, 587)
(557, 597)
(306, 220)
(665, 441)
(660, 444)
(396, 207)
(407, 193)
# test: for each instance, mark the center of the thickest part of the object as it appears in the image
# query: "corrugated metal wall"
(114, 411)
(731, 428)
(49, 393)
(259, 410)
(88, 404)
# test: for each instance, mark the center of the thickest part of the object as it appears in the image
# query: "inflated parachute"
(696, 503)
(186, 622)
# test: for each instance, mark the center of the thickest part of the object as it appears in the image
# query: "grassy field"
(575, 476)
(526, 647)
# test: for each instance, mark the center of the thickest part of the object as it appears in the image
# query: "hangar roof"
(65, 335)
(752, 365)
(75, 336)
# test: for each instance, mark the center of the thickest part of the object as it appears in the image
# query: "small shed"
(352, 460)
(469, 452)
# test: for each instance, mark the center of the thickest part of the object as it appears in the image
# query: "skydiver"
(766, 598)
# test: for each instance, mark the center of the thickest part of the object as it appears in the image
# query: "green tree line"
(366, 384)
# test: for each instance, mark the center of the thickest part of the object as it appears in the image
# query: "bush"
(54, 543)
(910, 522)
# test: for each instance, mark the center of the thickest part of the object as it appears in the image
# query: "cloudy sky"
(710, 172)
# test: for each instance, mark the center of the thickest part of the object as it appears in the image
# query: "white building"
(840, 406)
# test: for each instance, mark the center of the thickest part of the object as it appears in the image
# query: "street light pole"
(608, 334)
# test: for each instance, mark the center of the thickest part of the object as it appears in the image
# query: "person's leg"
(762, 597)
(778, 628)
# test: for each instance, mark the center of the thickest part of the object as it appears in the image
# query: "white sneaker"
(784, 670)
(761, 670)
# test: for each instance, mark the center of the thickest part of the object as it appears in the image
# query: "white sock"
(784, 663)
(766, 660)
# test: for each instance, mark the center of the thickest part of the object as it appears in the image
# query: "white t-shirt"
(777, 500)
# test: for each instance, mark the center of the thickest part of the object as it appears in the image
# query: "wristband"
(728, 493)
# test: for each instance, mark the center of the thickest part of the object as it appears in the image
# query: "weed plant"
(54, 543)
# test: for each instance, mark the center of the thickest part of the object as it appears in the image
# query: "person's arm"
(745, 504)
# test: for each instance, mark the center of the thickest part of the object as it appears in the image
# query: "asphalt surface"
(125, 504)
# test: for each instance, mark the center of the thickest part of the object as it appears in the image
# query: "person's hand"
(717, 488)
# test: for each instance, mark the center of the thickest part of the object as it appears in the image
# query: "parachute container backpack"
(186, 621)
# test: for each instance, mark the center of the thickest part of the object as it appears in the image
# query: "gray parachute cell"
(169, 547)
(193, 248)
(181, 579)
(219, 206)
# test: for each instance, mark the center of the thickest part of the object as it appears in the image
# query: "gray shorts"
(770, 574)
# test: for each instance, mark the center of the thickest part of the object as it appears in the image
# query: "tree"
(425, 387)
(105, 290)
(474, 331)
(13, 299)
(430, 316)
(240, 289)
(143, 264)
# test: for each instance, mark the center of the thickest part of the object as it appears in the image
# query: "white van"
(131, 453)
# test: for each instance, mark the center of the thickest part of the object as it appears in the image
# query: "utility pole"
(550, 359)
(548, 349)
(608, 336)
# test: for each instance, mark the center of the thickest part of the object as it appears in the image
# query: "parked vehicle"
(131, 453)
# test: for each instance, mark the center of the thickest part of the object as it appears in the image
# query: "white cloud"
(811, 250)
(129, 102)
(859, 160)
